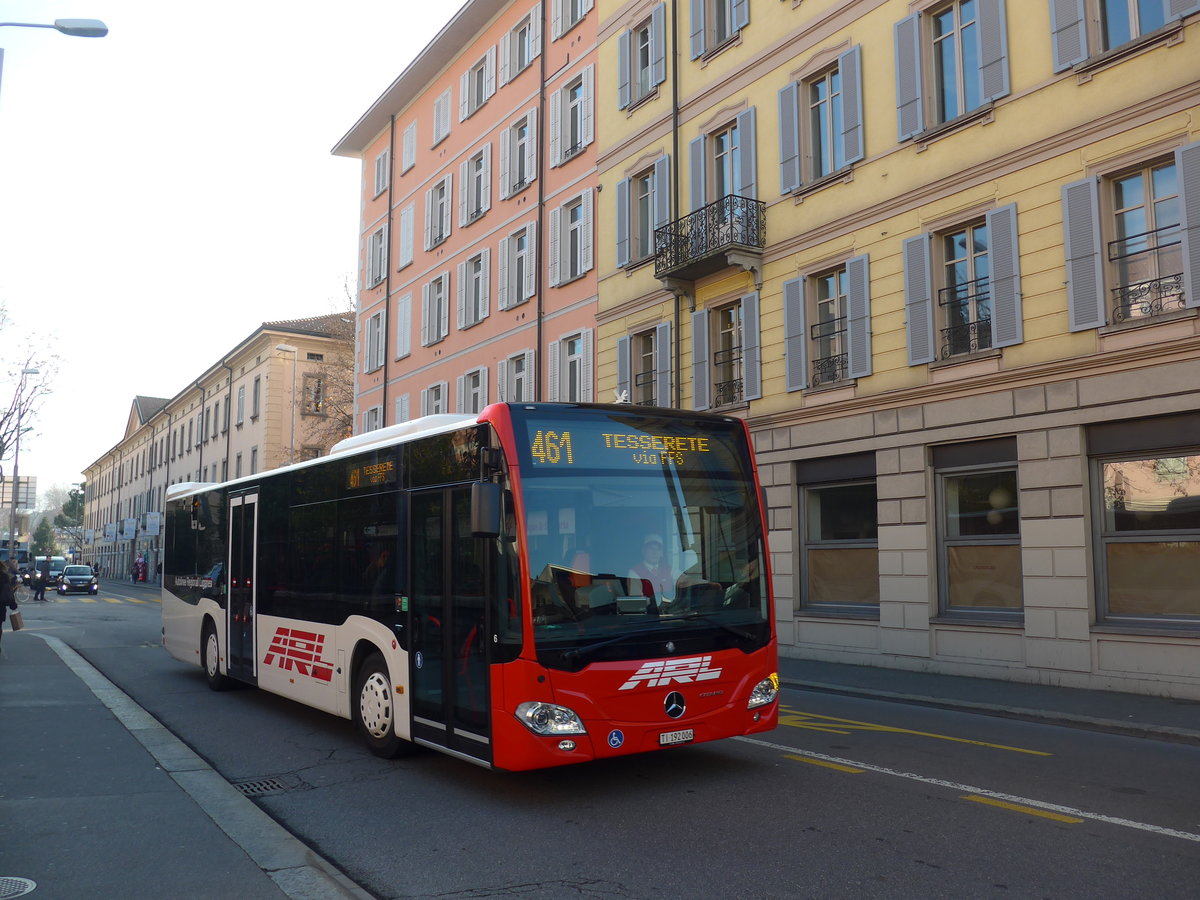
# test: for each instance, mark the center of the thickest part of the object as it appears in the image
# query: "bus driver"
(653, 573)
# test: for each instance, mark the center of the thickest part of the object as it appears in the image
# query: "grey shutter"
(662, 364)
(794, 344)
(587, 388)
(552, 263)
(505, 50)
(751, 357)
(502, 292)
(696, 151)
(858, 309)
(552, 372)
(700, 384)
(1187, 164)
(1177, 9)
(624, 392)
(623, 222)
(556, 102)
(1005, 262)
(741, 14)
(1068, 31)
(850, 68)
(623, 91)
(1081, 232)
(658, 44)
(662, 192)
(909, 114)
(993, 49)
(918, 302)
(789, 138)
(697, 27)
(748, 167)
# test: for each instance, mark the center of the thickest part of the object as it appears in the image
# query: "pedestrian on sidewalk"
(8, 592)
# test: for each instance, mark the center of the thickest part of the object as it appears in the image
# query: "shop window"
(979, 535)
(840, 540)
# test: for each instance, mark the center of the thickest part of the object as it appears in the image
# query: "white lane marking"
(968, 789)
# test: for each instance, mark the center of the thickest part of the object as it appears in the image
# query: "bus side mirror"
(485, 509)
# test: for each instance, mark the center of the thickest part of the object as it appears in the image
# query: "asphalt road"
(848, 798)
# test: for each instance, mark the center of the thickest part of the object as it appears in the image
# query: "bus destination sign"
(608, 448)
(371, 474)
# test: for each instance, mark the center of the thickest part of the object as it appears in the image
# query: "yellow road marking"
(1030, 810)
(135, 600)
(112, 600)
(827, 765)
(87, 599)
(834, 725)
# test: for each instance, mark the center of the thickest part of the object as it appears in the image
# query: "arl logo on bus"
(300, 652)
(663, 671)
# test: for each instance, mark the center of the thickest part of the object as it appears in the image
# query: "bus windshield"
(641, 529)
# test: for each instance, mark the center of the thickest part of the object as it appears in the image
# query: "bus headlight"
(549, 719)
(766, 691)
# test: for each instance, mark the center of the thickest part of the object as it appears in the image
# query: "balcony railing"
(694, 246)
(728, 367)
(643, 383)
(827, 336)
(1145, 292)
(968, 308)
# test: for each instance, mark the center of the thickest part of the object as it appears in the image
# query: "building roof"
(445, 47)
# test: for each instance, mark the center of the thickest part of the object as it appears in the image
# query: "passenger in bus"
(654, 572)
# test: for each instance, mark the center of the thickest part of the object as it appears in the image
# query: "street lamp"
(92, 28)
(16, 482)
(288, 348)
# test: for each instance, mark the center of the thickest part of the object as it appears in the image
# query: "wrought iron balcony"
(728, 384)
(967, 309)
(711, 238)
(1145, 292)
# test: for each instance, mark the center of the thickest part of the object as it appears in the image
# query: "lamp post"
(16, 482)
(288, 348)
(73, 27)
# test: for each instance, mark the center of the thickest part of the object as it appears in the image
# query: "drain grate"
(261, 787)
(15, 887)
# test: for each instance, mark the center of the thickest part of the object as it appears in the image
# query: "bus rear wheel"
(375, 709)
(210, 658)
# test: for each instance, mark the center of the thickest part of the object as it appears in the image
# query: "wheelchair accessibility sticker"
(615, 739)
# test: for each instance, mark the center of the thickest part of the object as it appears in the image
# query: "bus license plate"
(675, 737)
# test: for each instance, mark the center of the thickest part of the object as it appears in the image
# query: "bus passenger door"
(243, 537)
(448, 649)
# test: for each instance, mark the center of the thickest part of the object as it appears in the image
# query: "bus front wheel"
(375, 709)
(210, 658)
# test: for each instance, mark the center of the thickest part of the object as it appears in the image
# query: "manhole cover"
(15, 887)
(260, 787)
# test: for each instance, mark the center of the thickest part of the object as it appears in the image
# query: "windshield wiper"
(702, 617)
(576, 654)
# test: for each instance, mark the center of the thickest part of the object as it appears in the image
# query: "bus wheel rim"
(375, 706)
(210, 655)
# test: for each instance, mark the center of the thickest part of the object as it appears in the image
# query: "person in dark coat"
(8, 593)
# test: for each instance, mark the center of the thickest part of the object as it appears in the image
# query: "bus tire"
(375, 709)
(210, 659)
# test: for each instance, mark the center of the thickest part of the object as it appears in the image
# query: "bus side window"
(506, 592)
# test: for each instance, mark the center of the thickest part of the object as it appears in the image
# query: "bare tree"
(336, 400)
(27, 394)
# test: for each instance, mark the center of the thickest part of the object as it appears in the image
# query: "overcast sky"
(169, 187)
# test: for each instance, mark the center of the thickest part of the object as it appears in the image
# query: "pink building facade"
(477, 277)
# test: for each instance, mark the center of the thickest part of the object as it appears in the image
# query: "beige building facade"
(943, 257)
(266, 403)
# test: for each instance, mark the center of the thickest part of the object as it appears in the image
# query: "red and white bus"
(489, 585)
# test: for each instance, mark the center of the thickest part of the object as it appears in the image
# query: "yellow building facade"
(943, 257)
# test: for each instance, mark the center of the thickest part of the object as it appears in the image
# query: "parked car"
(78, 578)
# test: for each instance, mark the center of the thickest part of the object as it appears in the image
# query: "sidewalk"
(1111, 711)
(97, 799)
